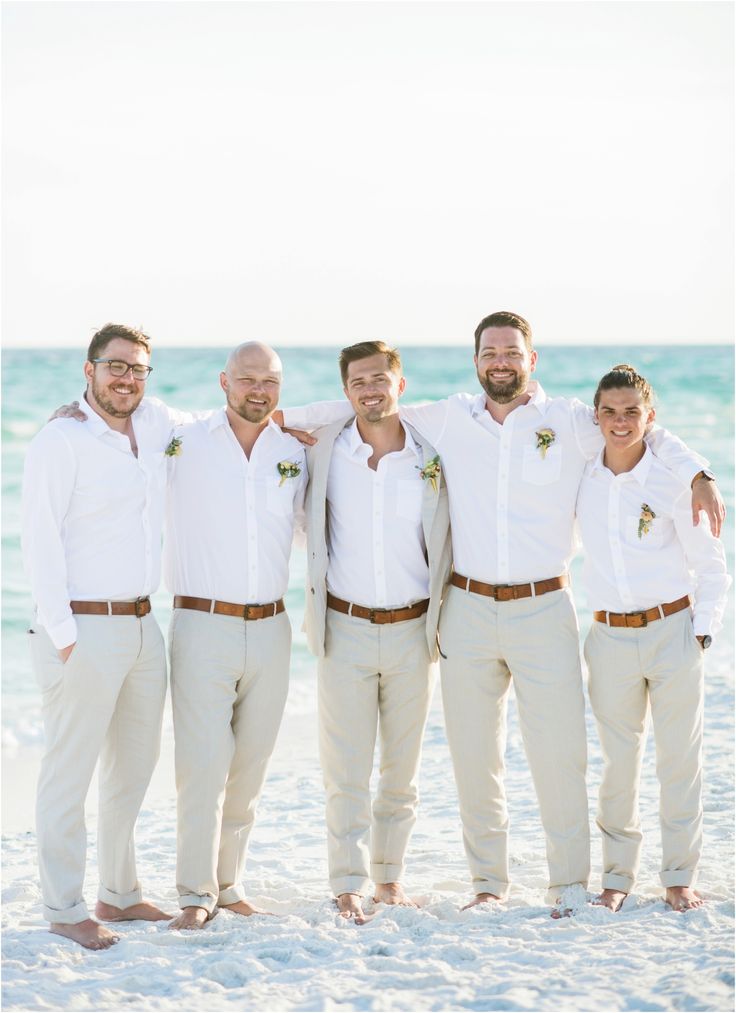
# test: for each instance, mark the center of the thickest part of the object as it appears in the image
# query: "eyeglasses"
(119, 368)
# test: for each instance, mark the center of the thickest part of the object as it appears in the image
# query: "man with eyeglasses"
(93, 501)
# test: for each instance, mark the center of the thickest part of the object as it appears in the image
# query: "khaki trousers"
(661, 667)
(371, 677)
(534, 641)
(106, 701)
(229, 680)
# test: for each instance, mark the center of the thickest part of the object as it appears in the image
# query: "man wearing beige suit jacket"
(378, 547)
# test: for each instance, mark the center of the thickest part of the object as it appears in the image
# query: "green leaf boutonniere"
(431, 472)
(287, 469)
(545, 439)
(645, 520)
(174, 448)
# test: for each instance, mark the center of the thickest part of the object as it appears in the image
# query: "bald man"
(236, 487)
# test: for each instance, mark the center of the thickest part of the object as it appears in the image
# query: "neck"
(385, 436)
(246, 433)
(619, 461)
(501, 411)
(121, 424)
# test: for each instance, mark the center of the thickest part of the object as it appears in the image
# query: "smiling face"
(252, 382)
(504, 363)
(624, 417)
(117, 396)
(372, 388)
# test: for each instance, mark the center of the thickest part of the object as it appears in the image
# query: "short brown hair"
(625, 375)
(363, 350)
(109, 332)
(505, 319)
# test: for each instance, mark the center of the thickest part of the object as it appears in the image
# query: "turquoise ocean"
(694, 386)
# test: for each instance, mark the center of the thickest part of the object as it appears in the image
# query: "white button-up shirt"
(512, 508)
(377, 554)
(229, 519)
(92, 513)
(631, 564)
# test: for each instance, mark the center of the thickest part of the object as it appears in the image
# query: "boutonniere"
(287, 469)
(545, 439)
(431, 472)
(174, 448)
(645, 519)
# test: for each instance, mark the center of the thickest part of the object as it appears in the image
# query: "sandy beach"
(436, 958)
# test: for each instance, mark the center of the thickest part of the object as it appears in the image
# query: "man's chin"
(505, 394)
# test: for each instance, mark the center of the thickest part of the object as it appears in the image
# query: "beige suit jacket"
(435, 522)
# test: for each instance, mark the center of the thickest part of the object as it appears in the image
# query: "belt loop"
(350, 610)
(212, 606)
(274, 610)
(608, 618)
(533, 586)
(661, 612)
(109, 608)
(467, 585)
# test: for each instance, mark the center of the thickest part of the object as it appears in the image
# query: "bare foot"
(350, 906)
(143, 912)
(480, 898)
(242, 907)
(571, 901)
(191, 918)
(683, 898)
(392, 893)
(612, 899)
(88, 933)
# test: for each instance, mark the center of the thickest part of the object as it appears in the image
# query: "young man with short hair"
(658, 587)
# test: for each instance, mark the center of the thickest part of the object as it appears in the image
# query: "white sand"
(436, 958)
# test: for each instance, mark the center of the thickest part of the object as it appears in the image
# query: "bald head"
(252, 381)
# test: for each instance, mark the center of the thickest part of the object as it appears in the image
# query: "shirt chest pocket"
(280, 496)
(649, 534)
(539, 469)
(409, 496)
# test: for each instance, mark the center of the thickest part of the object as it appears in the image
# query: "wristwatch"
(707, 474)
(705, 641)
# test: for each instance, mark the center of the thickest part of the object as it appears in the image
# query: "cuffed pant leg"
(404, 694)
(618, 695)
(475, 685)
(129, 755)
(675, 674)
(257, 713)
(348, 715)
(539, 639)
(207, 663)
(78, 702)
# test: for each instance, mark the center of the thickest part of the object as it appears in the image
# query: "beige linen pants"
(371, 677)
(106, 701)
(229, 680)
(534, 641)
(660, 666)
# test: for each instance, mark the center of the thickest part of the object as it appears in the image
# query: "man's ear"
(533, 360)
(402, 385)
(89, 371)
(223, 381)
(652, 414)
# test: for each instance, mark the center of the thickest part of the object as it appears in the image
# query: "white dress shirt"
(230, 519)
(377, 554)
(92, 513)
(512, 509)
(626, 571)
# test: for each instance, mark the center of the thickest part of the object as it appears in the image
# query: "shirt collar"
(95, 423)
(639, 473)
(356, 442)
(538, 399)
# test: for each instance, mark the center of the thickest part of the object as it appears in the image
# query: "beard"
(251, 412)
(103, 397)
(503, 393)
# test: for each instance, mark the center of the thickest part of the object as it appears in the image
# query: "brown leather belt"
(378, 616)
(510, 592)
(228, 608)
(636, 620)
(140, 607)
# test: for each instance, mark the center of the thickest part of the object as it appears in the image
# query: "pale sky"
(324, 173)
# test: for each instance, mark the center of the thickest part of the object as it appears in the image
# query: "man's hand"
(69, 411)
(299, 434)
(707, 496)
(64, 652)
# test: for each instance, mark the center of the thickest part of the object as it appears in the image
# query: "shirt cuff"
(64, 634)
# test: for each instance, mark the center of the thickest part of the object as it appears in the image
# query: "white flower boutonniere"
(287, 469)
(174, 448)
(545, 439)
(645, 520)
(431, 472)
